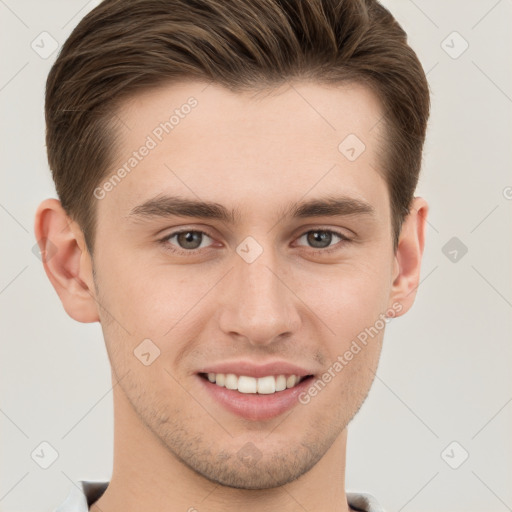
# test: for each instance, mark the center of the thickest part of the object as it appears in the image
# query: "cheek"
(347, 298)
(148, 300)
(156, 300)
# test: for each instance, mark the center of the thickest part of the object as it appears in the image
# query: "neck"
(147, 476)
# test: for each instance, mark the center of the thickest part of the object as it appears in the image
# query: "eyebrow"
(163, 206)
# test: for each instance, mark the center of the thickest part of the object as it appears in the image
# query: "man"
(236, 182)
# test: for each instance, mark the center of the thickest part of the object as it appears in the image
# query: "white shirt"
(81, 497)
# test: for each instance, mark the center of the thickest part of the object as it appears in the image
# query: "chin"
(261, 476)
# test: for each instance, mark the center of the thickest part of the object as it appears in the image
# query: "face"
(282, 273)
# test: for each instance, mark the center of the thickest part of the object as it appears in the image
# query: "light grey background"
(445, 372)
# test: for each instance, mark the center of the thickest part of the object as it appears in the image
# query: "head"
(297, 124)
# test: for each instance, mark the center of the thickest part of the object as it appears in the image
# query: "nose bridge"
(259, 306)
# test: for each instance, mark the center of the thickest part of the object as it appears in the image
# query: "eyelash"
(165, 242)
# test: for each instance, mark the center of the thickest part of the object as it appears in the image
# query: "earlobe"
(407, 263)
(66, 260)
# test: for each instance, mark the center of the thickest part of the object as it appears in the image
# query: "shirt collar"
(85, 493)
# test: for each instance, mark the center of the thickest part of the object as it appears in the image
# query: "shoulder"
(82, 495)
(363, 502)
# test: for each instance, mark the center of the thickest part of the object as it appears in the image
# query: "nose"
(258, 304)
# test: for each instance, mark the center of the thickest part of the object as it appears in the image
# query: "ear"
(66, 260)
(407, 263)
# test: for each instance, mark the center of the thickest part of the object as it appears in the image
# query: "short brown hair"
(126, 46)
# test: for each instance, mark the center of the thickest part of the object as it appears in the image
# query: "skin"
(175, 448)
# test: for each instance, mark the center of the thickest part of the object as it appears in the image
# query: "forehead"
(247, 150)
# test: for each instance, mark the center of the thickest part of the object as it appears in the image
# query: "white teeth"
(245, 384)
(231, 381)
(267, 385)
(281, 383)
(291, 381)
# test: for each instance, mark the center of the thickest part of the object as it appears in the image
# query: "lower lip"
(254, 406)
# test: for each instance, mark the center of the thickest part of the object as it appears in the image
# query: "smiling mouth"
(267, 385)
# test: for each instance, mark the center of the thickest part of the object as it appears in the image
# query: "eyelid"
(178, 250)
(326, 250)
(165, 241)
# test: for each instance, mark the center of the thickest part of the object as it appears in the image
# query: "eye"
(322, 238)
(187, 241)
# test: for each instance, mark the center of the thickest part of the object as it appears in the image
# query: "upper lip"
(250, 369)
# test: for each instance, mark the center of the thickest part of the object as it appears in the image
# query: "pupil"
(192, 239)
(186, 239)
(323, 237)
